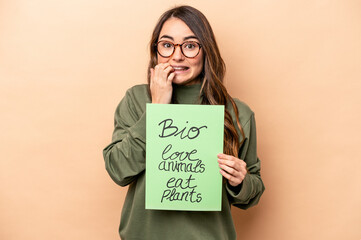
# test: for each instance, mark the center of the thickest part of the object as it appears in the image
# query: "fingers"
(171, 77)
(232, 168)
(229, 170)
(161, 73)
(224, 156)
(233, 181)
(161, 77)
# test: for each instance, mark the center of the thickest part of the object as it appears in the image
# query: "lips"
(180, 68)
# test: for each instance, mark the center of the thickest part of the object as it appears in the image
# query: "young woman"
(185, 68)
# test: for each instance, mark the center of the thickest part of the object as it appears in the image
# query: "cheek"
(161, 59)
(198, 64)
(200, 60)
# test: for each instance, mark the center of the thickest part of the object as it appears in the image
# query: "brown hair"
(213, 90)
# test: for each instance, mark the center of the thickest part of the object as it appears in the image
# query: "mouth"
(180, 69)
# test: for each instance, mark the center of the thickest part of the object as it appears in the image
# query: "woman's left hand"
(232, 168)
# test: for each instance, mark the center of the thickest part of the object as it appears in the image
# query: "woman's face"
(186, 69)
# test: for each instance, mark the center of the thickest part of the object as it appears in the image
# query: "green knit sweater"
(125, 162)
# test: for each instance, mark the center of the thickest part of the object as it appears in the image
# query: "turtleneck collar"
(189, 94)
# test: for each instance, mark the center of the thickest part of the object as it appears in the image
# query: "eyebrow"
(171, 38)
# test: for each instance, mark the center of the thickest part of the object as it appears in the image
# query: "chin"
(182, 81)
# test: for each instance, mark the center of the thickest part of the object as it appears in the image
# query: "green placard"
(182, 171)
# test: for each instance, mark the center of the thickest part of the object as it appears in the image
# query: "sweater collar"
(189, 94)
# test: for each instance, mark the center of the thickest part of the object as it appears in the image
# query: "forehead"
(175, 28)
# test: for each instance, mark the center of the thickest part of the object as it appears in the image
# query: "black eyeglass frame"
(175, 45)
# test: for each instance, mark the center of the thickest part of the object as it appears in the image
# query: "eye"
(190, 45)
(167, 45)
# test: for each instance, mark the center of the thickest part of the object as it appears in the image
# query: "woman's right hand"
(161, 78)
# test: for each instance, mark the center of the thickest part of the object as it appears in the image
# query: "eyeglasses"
(189, 49)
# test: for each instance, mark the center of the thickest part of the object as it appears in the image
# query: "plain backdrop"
(65, 65)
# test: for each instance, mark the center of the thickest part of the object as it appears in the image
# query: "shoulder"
(135, 99)
(138, 94)
(136, 90)
(245, 113)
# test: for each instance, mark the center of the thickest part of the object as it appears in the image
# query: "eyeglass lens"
(189, 49)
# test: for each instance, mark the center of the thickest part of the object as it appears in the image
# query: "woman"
(185, 68)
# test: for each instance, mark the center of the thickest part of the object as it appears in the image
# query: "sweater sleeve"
(248, 193)
(125, 156)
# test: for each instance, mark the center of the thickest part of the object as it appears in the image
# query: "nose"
(178, 55)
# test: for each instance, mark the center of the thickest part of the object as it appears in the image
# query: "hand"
(232, 168)
(161, 78)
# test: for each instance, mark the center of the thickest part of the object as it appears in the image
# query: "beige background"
(65, 65)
